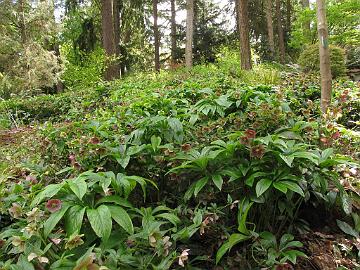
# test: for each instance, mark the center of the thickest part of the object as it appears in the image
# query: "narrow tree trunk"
(280, 33)
(307, 24)
(189, 33)
(270, 27)
(325, 68)
(173, 34)
(245, 50)
(107, 28)
(116, 16)
(237, 8)
(156, 36)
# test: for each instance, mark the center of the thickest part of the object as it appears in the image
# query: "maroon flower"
(325, 141)
(53, 205)
(32, 179)
(73, 162)
(245, 140)
(250, 134)
(94, 140)
(336, 135)
(186, 147)
(258, 151)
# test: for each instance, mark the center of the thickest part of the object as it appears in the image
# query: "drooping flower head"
(250, 133)
(53, 205)
(258, 151)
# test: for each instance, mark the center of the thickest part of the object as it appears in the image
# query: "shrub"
(309, 60)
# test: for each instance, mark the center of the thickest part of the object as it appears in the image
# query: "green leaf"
(346, 228)
(122, 218)
(116, 200)
(294, 187)
(54, 218)
(307, 155)
(280, 186)
(250, 180)
(100, 221)
(233, 240)
(78, 186)
(262, 186)
(218, 181)
(123, 160)
(48, 192)
(155, 142)
(293, 254)
(193, 119)
(170, 217)
(23, 263)
(200, 185)
(73, 219)
(288, 159)
(242, 217)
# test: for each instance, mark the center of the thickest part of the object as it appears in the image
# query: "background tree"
(108, 39)
(325, 68)
(189, 33)
(280, 32)
(173, 32)
(244, 35)
(270, 29)
(156, 36)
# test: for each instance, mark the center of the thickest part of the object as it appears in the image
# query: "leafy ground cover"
(211, 168)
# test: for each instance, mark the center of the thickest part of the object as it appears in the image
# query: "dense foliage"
(178, 168)
(310, 61)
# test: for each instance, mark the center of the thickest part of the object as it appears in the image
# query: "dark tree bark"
(245, 50)
(107, 29)
(173, 33)
(325, 67)
(189, 33)
(156, 36)
(280, 32)
(270, 27)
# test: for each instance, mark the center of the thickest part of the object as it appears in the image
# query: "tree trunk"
(173, 34)
(189, 33)
(116, 16)
(307, 24)
(280, 33)
(270, 28)
(156, 36)
(237, 16)
(325, 68)
(107, 28)
(245, 50)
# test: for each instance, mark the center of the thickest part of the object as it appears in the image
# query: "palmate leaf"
(73, 219)
(100, 221)
(78, 186)
(122, 218)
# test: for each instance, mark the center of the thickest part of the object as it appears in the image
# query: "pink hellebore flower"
(53, 205)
